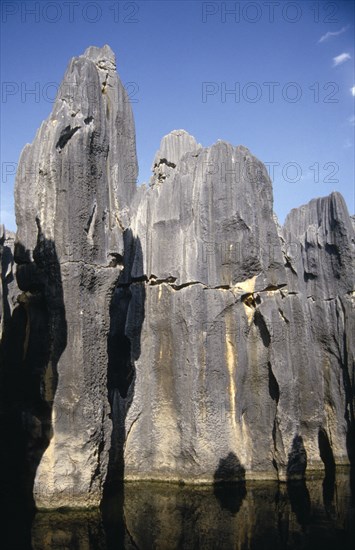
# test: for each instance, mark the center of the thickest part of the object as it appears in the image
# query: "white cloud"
(347, 144)
(352, 120)
(330, 34)
(352, 90)
(339, 59)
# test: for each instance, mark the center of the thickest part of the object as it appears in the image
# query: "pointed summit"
(172, 148)
(175, 145)
(103, 57)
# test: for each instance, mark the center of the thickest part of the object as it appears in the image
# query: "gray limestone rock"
(211, 222)
(73, 190)
(173, 331)
(210, 252)
(172, 148)
(8, 288)
(244, 349)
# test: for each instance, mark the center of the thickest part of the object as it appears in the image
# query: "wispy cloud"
(329, 34)
(347, 144)
(352, 90)
(352, 120)
(339, 59)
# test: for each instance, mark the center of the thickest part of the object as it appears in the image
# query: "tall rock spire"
(73, 189)
(169, 332)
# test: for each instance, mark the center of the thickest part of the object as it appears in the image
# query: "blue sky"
(290, 64)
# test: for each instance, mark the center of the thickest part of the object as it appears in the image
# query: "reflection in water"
(300, 501)
(68, 530)
(265, 515)
(230, 495)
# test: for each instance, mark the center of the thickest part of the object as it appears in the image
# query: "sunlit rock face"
(320, 294)
(245, 347)
(172, 331)
(73, 190)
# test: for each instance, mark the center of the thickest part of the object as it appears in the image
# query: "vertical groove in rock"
(73, 190)
(174, 331)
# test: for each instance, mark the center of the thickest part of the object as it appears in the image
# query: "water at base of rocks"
(253, 515)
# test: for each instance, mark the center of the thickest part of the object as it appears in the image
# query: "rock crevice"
(133, 370)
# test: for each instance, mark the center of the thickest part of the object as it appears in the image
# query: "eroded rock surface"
(173, 331)
(8, 288)
(245, 344)
(73, 190)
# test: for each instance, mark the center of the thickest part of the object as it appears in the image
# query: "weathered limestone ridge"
(171, 331)
(254, 364)
(73, 189)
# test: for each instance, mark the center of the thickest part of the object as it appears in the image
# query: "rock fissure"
(65, 136)
(90, 264)
(130, 429)
(124, 377)
(89, 228)
(166, 162)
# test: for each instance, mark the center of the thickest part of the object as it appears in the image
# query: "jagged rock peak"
(329, 209)
(172, 333)
(173, 146)
(91, 122)
(324, 262)
(73, 191)
(103, 57)
(5, 234)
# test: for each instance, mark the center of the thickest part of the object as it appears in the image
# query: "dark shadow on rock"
(33, 341)
(6, 259)
(352, 484)
(229, 483)
(261, 325)
(349, 414)
(274, 389)
(123, 349)
(297, 459)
